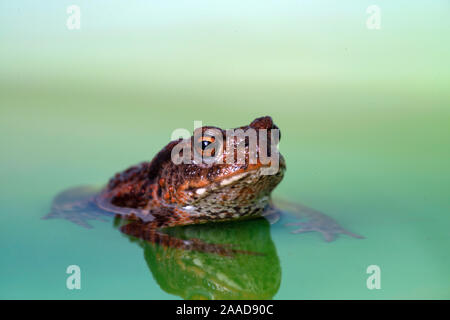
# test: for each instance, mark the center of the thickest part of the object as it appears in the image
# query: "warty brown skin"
(158, 194)
(168, 194)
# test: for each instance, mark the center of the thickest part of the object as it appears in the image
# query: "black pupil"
(205, 144)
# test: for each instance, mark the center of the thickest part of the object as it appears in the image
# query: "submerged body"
(162, 193)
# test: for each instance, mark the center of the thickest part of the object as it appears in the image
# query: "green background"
(364, 116)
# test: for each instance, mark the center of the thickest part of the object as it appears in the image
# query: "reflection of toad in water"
(157, 198)
(232, 260)
(229, 260)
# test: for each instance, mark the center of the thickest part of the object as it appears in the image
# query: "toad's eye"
(205, 146)
(205, 143)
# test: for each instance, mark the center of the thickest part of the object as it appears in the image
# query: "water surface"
(364, 117)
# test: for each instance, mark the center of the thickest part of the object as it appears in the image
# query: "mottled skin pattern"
(168, 194)
(159, 194)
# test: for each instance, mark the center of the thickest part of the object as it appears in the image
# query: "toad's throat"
(241, 195)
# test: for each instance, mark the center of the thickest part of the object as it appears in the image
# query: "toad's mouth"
(219, 184)
(256, 175)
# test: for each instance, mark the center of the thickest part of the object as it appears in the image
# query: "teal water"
(365, 129)
(394, 194)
